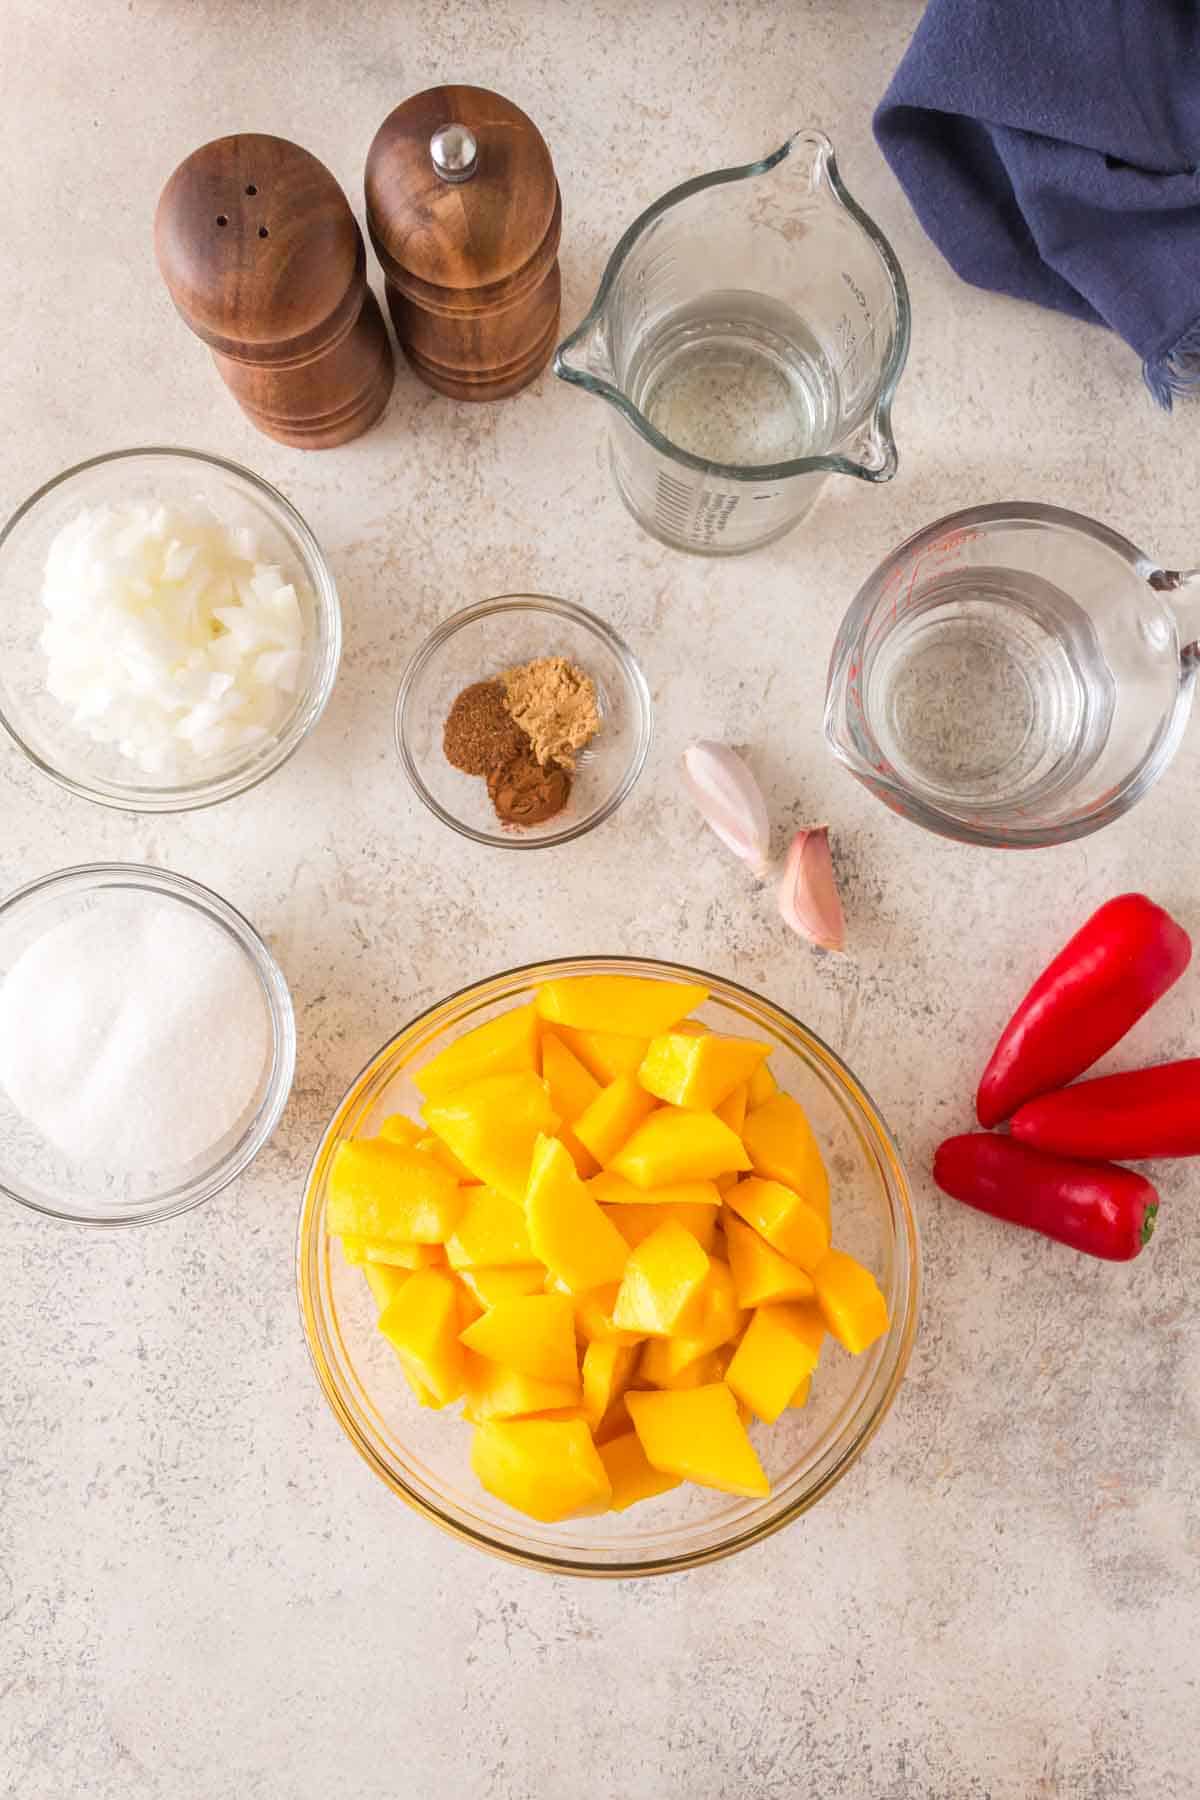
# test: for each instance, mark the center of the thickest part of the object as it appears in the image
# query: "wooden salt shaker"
(464, 212)
(264, 261)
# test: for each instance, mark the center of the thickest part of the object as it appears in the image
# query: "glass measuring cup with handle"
(1014, 675)
(748, 333)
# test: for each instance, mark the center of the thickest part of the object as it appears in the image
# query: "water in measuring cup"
(989, 690)
(737, 378)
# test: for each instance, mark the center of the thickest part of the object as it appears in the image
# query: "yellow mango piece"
(534, 1334)
(732, 1110)
(490, 1234)
(760, 1273)
(614, 1190)
(585, 1163)
(389, 1193)
(615, 1422)
(489, 1286)
(399, 1256)
(503, 1046)
(781, 1346)
(606, 1372)
(800, 1397)
(672, 1145)
(594, 1317)
(604, 1054)
(658, 1366)
(761, 1086)
(567, 1230)
(699, 1072)
(548, 1469)
(635, 1223)
(613, 1117)
(723, 1183)
(432, 1146)
(421, 1324)
(633, 1005)
(384, 1282)
(780, 1215)
(850, 1301)
(469, 1308)
(399, 1130)
(630, 1476)
(571, 1086)
(661, 1277)
(492, 1126)
(494, 1391)
(782, 1147)
(698, 1435)
(713, 1318)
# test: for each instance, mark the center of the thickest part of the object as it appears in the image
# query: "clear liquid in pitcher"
(989, 689)
(736, 378)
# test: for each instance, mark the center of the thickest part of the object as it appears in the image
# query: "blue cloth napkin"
(1049, 149)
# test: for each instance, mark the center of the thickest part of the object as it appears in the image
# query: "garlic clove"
(808, 896)
(730, 801)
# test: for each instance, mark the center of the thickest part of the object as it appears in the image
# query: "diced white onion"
(166, 637)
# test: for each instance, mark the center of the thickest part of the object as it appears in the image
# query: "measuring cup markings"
(941, 554)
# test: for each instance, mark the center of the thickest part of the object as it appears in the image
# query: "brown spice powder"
(523, 793)
(480, 734)
(554, 703)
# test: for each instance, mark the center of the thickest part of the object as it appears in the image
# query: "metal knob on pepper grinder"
(264, 261)
(465, 214)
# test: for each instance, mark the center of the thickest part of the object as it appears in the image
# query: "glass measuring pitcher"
(748, 333)
(1014, 675)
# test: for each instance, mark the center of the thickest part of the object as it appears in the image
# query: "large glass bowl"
(44, 729)
(423, 1455)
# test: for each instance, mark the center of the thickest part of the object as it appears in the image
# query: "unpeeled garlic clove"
(808, 896)
(730, 801)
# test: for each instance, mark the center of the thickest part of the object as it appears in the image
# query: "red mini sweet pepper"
(1093, 1206)
(1112, 971)
(1146, 1112)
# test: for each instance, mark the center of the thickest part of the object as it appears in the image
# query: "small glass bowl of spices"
(523, 721)
(147, 1044)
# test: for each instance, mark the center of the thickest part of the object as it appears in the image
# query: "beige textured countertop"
(204, 1595)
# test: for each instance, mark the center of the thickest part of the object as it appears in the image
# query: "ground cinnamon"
(523, 793)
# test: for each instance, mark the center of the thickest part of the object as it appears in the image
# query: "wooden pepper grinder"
(265, 263)
(465, 215)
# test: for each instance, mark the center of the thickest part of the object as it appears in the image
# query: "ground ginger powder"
(554, 703)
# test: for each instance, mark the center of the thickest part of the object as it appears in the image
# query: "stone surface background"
(203, 1592)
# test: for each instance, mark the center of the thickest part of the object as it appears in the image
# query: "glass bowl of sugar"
(147, 1044)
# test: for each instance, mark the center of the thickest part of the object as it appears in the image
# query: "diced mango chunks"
(614, 1190)
(761, 1086)
(433, 1146)
(760, 1273)
(421, 1324)
(494, 1391)
(604, 1054)
(698, 1435)
(605, 1372)
(534, 1334)
(568, 1231)
(800, 1397)
(502, 1046)
(570, 1085)
(613, 1116)
(492, 1126)
(387, 1192)
(673, 1145)
(850, 1301)
(659, 1365)
(782, 1147)
(397, 1129)
(384, 1281)
(662, 1277)
(399, 1256)
(594, 1316)
(635, 1223)
(699, 1071)
(547, 1468)
(631, 1476)
(781, 1346)
(629, 1004)
(492, 1285)
(712, 1319)
(732, 1110)
(783, 1217)
(491, 1233)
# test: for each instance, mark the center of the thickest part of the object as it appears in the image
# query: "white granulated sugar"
(135, 1035)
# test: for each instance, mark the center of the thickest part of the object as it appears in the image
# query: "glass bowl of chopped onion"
(423, 1455)
(169, 629)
